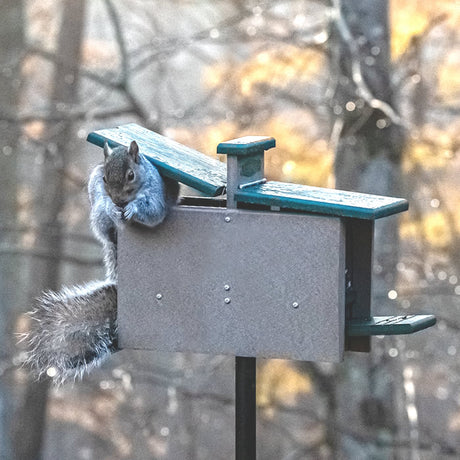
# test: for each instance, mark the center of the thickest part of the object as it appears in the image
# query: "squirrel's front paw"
(114, 212)
(129, 211)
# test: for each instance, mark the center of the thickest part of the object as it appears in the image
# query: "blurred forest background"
(360, 95)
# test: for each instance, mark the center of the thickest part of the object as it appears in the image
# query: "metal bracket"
(250, 184)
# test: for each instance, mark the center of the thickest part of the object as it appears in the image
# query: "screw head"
(159, 296)
(227, 287)
(227, 219)
(227, 300)
(295, 304)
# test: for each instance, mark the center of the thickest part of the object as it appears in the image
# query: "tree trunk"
(30, 425)
(11, 49)
(368, 157)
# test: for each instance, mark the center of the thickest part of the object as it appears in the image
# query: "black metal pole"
(245, 408)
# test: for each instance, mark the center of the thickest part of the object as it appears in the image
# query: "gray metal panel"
(172, 284)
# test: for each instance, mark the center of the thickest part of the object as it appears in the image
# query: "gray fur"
(73, 330)
(145, 200)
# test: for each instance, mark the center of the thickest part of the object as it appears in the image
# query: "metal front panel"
(245, 283)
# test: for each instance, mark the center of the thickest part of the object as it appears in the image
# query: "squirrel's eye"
(131, 175)
(104, 179)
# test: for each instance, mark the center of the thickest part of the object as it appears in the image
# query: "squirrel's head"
(121, 173)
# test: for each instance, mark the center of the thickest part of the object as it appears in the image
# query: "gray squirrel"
(74, 330)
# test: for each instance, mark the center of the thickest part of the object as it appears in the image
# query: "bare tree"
(30, 421)
(11, 50)
(368, 158)
(141, 405)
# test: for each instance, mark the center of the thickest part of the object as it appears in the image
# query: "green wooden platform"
(389, 325)
(322, 200)
(174, 160)
(209, 175)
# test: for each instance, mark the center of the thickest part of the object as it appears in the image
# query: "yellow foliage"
(207, 139)
(407, 228)
(432, 148)
(422, 154)
(411, 18)
(215, 75)
(214, 135)
(436, 230)
(435, 227)
(407, 20)
(281, 67)
(297, 157)
(449, 77)
(276, 68)
(278, 381)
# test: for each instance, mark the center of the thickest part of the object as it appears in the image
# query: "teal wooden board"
(389, 325)
(174, 160)
(321, 200)
(246, 145)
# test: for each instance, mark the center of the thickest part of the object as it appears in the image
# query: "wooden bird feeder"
(253, 268)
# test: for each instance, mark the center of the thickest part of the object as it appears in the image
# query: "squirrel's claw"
(114, 212)
(129, 211)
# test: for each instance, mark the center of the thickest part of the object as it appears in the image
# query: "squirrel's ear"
(107, 150)
(134, 151)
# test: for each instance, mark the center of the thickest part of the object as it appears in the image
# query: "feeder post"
(245, 166)
(245, 163)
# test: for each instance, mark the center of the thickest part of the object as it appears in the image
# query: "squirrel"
(72, 331)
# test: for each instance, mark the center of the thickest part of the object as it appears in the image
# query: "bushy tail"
(72, 330)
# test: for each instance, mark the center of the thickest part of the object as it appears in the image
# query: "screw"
(227, 219)
(295, 304)
(227, 287)
(227, 300)
(159, 296)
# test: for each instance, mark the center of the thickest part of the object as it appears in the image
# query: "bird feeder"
(252, 268)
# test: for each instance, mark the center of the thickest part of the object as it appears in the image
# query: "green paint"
(172, 159)
(389, 325)
(251, 166)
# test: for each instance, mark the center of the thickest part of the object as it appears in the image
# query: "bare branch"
(166, 382)
(120, 39)
(109, 83)
(362, 437)
(175, 45)
(49, 56)
(417, 39)
(66, 115)
(357, 74)
(123, 82)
